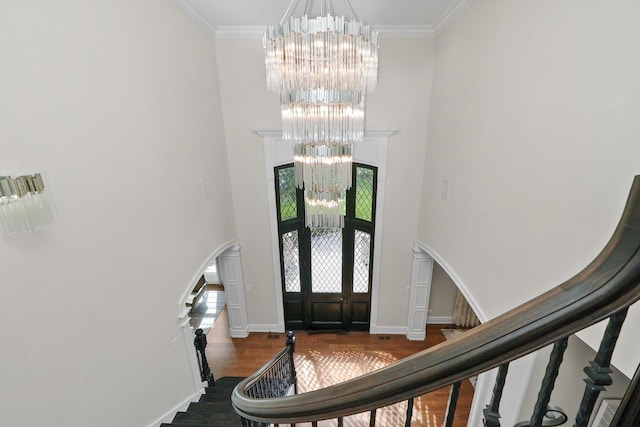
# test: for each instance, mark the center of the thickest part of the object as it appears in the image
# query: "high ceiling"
(410, 16)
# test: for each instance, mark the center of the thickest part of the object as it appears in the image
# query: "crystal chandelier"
(322, 68)
(24, 207)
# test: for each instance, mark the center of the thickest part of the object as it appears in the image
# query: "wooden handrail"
(610, 283)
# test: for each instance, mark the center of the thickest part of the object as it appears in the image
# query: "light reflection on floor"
(207, 310)
(316, 370)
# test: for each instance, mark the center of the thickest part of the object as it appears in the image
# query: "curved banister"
(610, 283)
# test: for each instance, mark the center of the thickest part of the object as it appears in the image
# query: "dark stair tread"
(220, 384)
(213, 406)
(213, 409)
(208, 398)
(217, 393)
(229, 380)
(188, 425)
(205, 424)
(219, 390)
(208, 417)
(226, 382)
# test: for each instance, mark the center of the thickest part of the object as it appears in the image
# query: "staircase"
(604, 289)
(213, 409)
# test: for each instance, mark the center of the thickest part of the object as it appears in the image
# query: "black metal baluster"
(544, 395)
(314, 424)
(372, 418)
(599, 370)
(200, 342)
(453, 402)
(261, 388)
(340, 422)
(407, 422)
(271, 390)
(491, 412)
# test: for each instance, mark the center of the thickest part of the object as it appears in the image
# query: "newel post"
(200, 342)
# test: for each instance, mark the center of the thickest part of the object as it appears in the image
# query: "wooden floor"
(327, 359)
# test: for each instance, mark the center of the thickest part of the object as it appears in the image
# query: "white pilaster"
(419, 295)
(231, 274)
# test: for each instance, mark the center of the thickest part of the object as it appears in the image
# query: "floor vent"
(384, 337)
(273, 336)
(605, 414)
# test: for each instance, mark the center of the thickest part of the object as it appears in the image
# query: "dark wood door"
(326, 273)
(327, 301)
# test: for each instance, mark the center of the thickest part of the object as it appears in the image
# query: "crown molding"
(184, 5)
(406, 30)
(368, 133)
(450, 15)
(256, 31)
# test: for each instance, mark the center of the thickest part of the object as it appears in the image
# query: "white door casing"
(371, 151)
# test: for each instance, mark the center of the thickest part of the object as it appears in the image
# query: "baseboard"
(238, 333)
(168, 417)
(440, 320)
(266, 328)
(417, 336)
(390, 330)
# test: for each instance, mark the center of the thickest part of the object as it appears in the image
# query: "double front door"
(326, 272)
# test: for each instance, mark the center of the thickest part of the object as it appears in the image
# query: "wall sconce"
(24, 207)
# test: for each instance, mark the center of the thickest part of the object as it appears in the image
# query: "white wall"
(534, 122)
(401, 102)
(442, 299)
(117, 104)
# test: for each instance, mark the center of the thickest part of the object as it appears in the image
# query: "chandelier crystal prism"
(322, 68)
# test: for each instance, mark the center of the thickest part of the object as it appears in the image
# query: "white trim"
(372, 151)
(192, 357)
(419, 295)
(239, 333)
(405, 30)
(270, 141)
(230, 269)
(266, 328)
(456, 279)
(257, 31)
(391, 330)
(181, 407)
(183, 311)
(382, 142)
(240, 31)
(416, 336)
(184, 4)
(519, 370)
(440, 320)
(451, 14)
